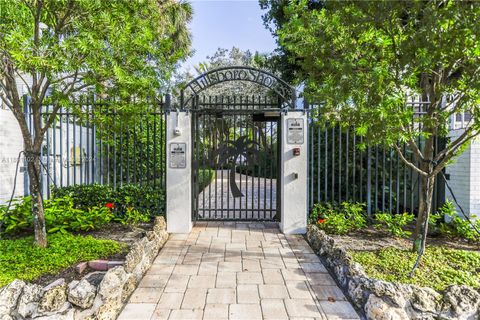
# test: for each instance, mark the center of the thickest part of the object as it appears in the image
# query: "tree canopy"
(60, 49)
(362, 60)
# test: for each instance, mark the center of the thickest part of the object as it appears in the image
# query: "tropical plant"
(361, 60)
(59, 49)
(61, 215)
(394, 223)
(457, 226)
(341, 219)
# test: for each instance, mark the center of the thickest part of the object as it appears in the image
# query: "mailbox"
(296, 151)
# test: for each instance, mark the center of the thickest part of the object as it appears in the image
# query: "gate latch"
(296, 151)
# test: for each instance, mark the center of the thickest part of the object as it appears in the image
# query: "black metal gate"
(235, 158)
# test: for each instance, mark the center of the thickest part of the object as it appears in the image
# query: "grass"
(440, 267)
(20, 259)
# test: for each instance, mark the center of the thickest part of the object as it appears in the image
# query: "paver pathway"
(228, 270)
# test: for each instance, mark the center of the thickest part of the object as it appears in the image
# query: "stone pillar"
(293, 186)
(179, 172)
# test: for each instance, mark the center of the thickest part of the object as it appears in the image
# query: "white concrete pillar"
(179, 173)
(293, 190)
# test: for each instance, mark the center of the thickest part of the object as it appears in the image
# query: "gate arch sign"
(238, 73)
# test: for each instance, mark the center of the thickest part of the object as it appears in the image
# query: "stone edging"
(98, 295)
(381, 300)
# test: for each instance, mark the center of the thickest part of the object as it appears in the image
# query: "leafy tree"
(364, 59)
(280, 60)
(59, 49)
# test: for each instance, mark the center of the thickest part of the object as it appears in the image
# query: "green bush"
(60, 216)
(458, 227)
(339, 219)
(394, 223)
(84, 208)
(20, 217)
(132, 217)
(20, 259)
(147, 200)
(205, 176)
(86, 196)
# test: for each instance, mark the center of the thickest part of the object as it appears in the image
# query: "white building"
(463, 174)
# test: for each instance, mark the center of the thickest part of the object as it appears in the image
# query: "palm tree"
(232, 150)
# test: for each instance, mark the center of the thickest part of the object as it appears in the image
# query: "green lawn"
(20, 259)
(440, 267)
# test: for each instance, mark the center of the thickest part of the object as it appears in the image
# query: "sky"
(224, 24)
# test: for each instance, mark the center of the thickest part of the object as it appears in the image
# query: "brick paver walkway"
(233, 270)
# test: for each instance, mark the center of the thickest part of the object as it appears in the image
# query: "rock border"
(382, 300)
(98, 295)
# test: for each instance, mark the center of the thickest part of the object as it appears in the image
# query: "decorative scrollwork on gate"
(232, 151)
(239, 73)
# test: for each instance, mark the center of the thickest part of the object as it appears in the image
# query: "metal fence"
(105, 142)
(339, 170)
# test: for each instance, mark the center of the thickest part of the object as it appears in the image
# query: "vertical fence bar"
(354, 167)
(369, 183)
(61, 147)
(347, 138)
(310, 167)
(325, 181)
(362, 153)
(318, 144)
(333, 163)
(383, 178)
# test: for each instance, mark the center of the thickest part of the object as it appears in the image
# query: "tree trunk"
(33, 167)
(421, 227)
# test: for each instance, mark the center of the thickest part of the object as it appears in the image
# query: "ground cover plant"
(440, 267)
(382, 247)
(21, 260)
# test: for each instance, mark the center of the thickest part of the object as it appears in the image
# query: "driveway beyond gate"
(228, 270)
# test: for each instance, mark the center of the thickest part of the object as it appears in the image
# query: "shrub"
(394, 223)
(20, 216)
(458, 227)
(132, 217)
(86, 196)
(60, 216)
(146, 199)
(339, 219)
(22, 260)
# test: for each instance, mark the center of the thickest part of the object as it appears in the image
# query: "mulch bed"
(371, 239)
